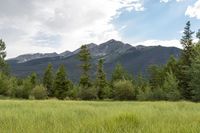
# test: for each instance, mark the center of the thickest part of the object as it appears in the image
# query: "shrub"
(145, 94)
(19, 92)
(12, 85)
(7, 85)
(158, 94)
(106, 92)
(3, 84)
(39, 92)
(26, 89)
(74, 92)
(124, 90)
(88, 93)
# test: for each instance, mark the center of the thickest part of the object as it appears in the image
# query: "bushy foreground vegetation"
(53, 116)
(177, 79)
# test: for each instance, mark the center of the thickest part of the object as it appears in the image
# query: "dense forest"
(179, 79)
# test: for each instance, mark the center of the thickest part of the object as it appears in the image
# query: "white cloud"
(194, 11)
(166, 43)
(180, 0)
(29, 26)
(166, 1)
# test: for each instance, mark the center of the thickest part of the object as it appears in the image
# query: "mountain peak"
(28, 57)
(108, 50)
(66, 53)
(113, 41)
(91, 45)
(140, 47)
(134, 59)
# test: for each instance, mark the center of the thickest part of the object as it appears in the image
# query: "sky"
(32, 26)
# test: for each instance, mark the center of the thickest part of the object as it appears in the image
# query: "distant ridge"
(134, 59)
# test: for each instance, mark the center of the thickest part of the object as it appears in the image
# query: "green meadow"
(53, 116)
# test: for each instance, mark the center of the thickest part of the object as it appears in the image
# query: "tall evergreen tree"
(120, 73)
(185, 61)
(172, 65)
(48, 80)
(3, 64)
(194, 72)
(2, 52)
(156, 76)
(101, 83)
(85, 57)
(61, 83)
(187, 44)
(33, 79)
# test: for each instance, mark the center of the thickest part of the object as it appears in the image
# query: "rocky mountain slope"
(134, 59)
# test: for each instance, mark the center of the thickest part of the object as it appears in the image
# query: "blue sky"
(30, 26)
(159, 20)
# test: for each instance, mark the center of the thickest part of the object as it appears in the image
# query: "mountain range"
(134, 59)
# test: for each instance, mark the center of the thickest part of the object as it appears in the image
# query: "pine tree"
(185, 61)
(101, 83)
(156, 76)
(187, 44)
(172, 65)
(194, 72)
(48, 80)
(33, 79)
(3, 64)
(2, 52)
(61, 83)
(120, 73)
(85, 57)
(170, 87)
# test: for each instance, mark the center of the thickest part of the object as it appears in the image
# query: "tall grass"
(52, 116)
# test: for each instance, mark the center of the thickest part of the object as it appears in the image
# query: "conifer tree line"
(178, 79)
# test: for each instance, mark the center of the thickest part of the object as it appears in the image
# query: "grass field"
(52, 116)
